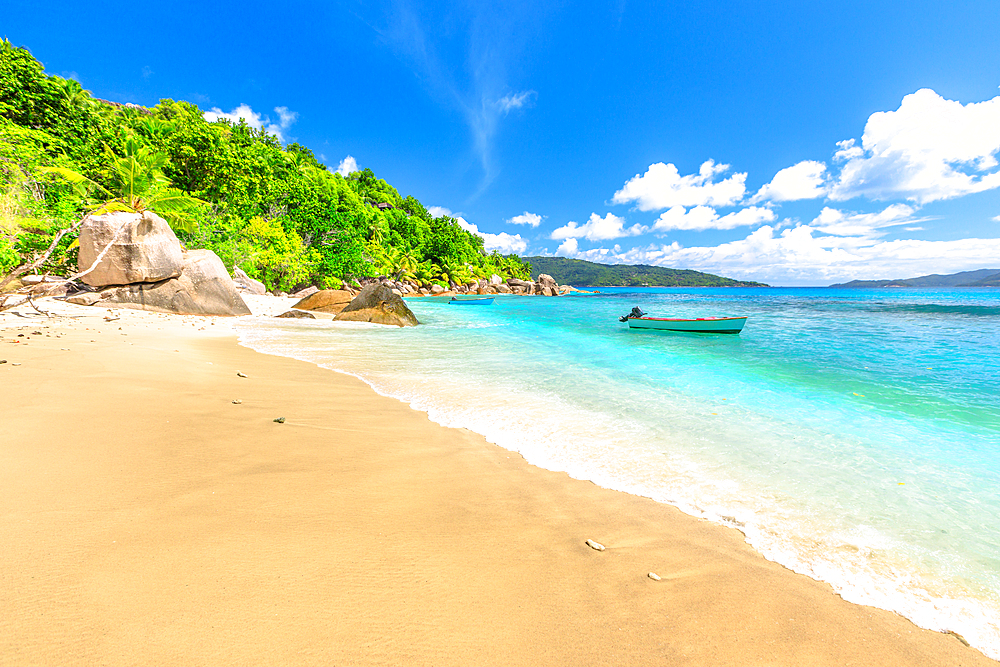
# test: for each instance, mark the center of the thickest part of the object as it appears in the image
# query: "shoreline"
(356, 532)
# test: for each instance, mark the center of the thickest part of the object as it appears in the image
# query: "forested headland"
(274, 211)
(592, 274)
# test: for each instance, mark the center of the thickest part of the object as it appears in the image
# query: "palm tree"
(140, 186)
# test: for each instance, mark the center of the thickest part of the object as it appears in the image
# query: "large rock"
(203, 288)
(145, 250)
(378, 304)
(516, 282)
(545, 280)
(303, 293)
(325, 301)
(246, 283)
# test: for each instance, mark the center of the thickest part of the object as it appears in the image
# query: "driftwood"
(6, 304)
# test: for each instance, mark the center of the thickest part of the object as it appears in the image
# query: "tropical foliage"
(275, 211)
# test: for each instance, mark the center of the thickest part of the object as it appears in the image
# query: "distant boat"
(472, 300)
(721, 325)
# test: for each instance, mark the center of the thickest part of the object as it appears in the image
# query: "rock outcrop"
(202, 288)
(246, 283)
(325, 301)
(145, 249)
(379, 305)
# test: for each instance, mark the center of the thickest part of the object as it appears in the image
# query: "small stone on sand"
(595, 545)
(280, 420)
(237, 402)
(654, 576)
(241, 374)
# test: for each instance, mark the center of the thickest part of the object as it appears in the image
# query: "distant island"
(980, 278)
(581, 272)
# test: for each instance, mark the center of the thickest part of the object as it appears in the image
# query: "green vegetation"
(274, 211)
(583, 273)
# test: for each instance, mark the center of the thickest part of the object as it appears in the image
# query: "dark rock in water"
(325, 301)
(380, 305)
(300, 314)
(203, 288)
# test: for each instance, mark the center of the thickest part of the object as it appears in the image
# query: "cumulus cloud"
(516, 101)
(838, 223)
(804, 180)
(701, 218)
(598, 229)
(797, 256)
(347, 166)
(927, 150)
(254, 119)
(568, 248)
(662, 186)
(503, 242)
(526, 218)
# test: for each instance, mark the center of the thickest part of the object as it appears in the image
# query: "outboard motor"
(636, 313)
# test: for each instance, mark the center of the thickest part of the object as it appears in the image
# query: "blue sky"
(786, 142)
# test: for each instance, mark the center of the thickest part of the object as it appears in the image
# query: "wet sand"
(146, 519)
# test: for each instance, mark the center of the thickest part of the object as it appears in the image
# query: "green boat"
(719, 325)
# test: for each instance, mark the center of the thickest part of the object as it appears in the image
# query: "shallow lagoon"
(852, 435)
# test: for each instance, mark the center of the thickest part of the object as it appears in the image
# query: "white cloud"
(996, 218)
(568, 248)
(515, 101)
(662, 186)
(704, 217)
(254, 119)
(928, 149)
(503, 242)
(832, 221)
(804, 180)
(526, 218)
(847, 150)
(796, 256)
(347, 166)
(598, 229)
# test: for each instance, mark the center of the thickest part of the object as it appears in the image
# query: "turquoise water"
(852, 435)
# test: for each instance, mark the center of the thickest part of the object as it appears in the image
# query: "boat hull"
(717, 325)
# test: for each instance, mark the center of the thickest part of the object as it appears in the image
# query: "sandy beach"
(153, 512)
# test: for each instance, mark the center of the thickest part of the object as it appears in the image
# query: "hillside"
(271, 209)
(580, 272)
(980, 278)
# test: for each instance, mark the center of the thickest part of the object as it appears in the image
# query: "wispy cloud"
(516, 101)
(465, 56)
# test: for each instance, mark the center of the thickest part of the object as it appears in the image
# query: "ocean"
(852, 435)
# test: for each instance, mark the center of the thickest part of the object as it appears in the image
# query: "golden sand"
(147, 519)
